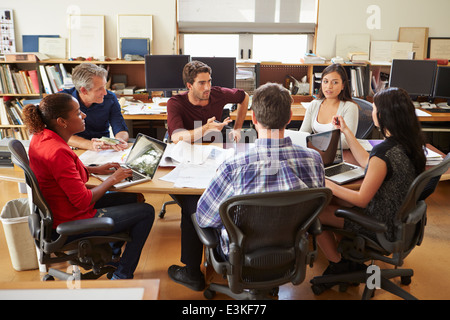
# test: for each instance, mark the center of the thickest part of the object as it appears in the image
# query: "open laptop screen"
(145, 155)
(328, 144)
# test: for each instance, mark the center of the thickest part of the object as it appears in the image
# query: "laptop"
(143, 160)
(329, 145)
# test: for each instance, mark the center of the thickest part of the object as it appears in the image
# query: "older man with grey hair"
(101, 107)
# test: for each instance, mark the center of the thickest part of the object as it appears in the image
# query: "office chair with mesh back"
(88, 252)
(269, 241)
(410, 226)
(365, 121)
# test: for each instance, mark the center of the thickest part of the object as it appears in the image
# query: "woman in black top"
(391, 167)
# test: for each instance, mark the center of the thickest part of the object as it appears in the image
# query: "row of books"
(55, 78)
(11, 114)
(357, 82)
(13, 81)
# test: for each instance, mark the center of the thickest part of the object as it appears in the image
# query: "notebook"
(330, 148)
(143, 160)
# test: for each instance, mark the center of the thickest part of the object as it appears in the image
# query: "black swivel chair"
(410, 225)
(162, 213)
(89, 252)
(365, 121)
(269, 241)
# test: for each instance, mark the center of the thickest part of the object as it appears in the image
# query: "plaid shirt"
(272, 165)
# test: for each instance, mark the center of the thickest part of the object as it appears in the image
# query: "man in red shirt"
(190, 117)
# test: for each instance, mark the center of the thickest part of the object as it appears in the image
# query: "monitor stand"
(167, 94)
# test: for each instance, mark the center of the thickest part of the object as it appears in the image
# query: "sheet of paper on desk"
(433, 158)
(144, 108)
(183, 152)
(421, 113)
(101, 157)
(191, 176)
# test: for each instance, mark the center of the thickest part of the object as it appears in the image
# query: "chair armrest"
(362, 219)
(86, 225)
(208, 236)
(315, 228)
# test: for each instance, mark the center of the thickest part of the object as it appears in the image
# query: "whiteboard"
(134, 26)
(87, 36)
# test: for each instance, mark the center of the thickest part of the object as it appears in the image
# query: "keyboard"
(338, 169)
(136, 176)
(438, 110)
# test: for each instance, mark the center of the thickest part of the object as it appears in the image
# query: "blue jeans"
(129, 216)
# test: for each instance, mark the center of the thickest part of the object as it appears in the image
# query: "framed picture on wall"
(439, 48)
(87, 36)
(419, 39)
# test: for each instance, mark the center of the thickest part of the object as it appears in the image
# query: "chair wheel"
(48, 277)
(343, 287)
(209, 294)
(405, 280)
(318, 289)
(274, 292)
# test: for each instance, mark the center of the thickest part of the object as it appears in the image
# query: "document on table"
(191, 176)
(195, 165)
(183, 152)
(421, 113)
(144, 108)
(104, 156)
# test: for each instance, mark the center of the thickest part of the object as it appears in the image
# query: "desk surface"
(164, 187)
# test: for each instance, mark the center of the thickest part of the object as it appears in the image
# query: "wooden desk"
(161, 116)
(164, 187)
(435, 117)
(38, 289)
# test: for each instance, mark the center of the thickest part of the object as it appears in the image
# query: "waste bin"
(21, 245)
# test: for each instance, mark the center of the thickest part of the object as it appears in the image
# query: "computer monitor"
(223, 70)
(442, 86)
(415, 76)
(165, 73)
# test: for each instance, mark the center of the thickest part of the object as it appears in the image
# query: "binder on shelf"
(3, 115)
(54, 78)
(45, 81)
(34, 81)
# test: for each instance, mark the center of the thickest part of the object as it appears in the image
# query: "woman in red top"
(62, 178)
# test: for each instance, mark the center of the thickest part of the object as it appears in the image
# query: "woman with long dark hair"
(391, 167)
(334, 99)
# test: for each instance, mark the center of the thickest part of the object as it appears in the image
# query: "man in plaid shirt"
(274, 164)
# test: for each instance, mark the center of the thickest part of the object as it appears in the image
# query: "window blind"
(247, 16)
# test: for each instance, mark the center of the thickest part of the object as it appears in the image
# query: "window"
(258, 30)
(211, 45)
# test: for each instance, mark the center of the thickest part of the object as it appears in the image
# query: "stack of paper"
(144, 108)
(433, 158)
(195, 165)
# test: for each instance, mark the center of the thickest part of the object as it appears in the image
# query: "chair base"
(163, 208)
(321, 283)
(213, 288)
(75, 275)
